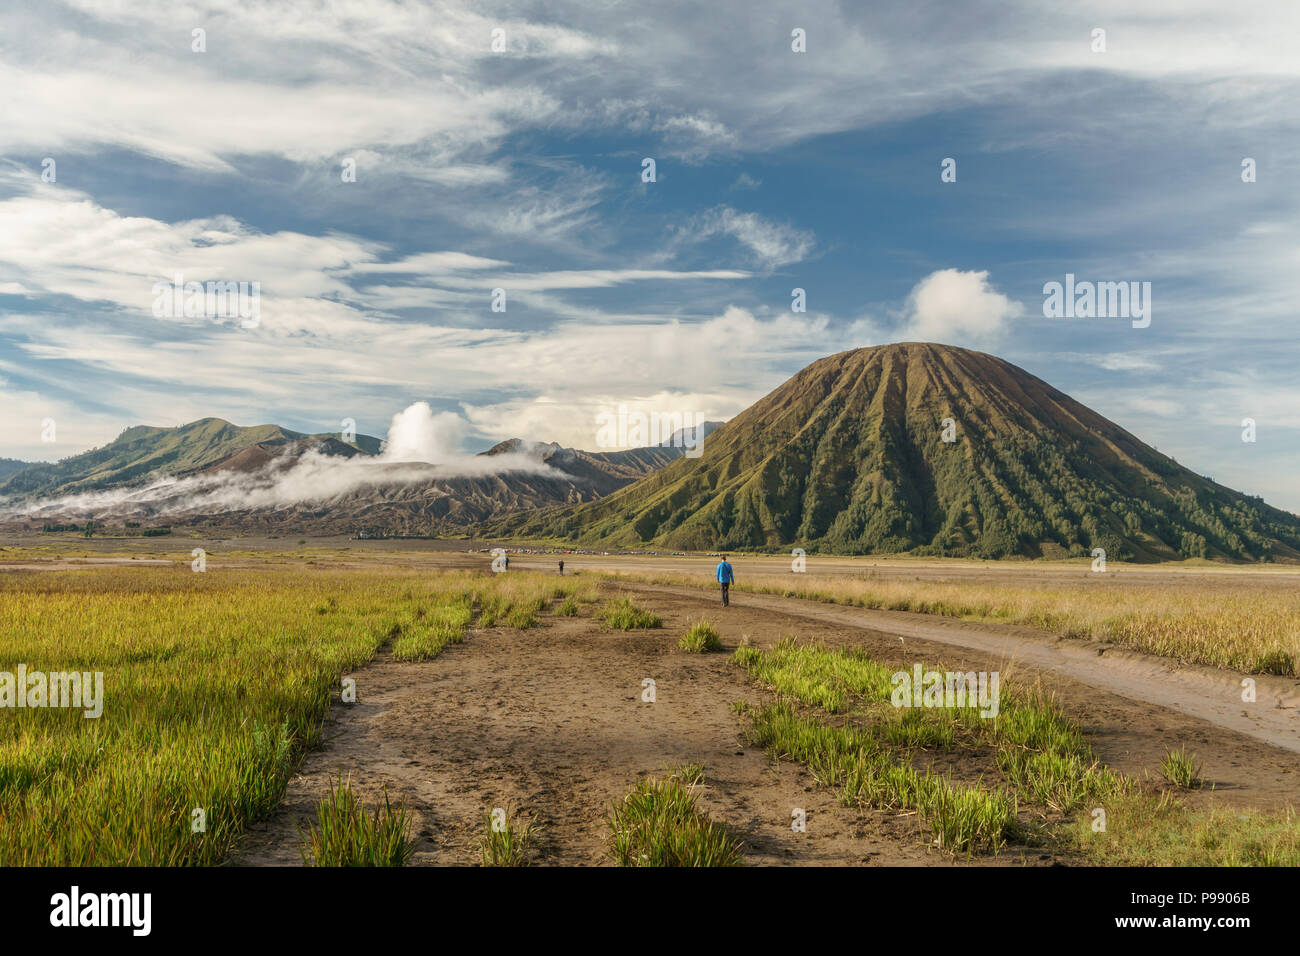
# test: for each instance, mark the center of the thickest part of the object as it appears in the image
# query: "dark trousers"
(725, 601)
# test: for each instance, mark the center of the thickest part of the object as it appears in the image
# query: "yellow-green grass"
(508, 838)
(510, 599)
(962, 818)
(426, 633)
(815, 676)
(659, 823)
(702, 637)
(1042, 756)
(621, 614)
(343, 834)
(1159, 830)
(1039, 750)
(517, 598)
(1246, 625)
(1182, 769)
(214, 683)
(863, 747)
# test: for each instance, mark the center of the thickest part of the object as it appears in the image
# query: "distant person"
(726, 577)
(561, 567)
(507, 562)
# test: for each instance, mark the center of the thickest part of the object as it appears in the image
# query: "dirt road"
(551, 722)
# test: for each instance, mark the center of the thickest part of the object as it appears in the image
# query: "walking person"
(561, 567)
(726, 577)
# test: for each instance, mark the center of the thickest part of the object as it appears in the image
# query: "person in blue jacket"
(726, 577)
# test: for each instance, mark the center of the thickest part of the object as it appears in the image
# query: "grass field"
(214, 684)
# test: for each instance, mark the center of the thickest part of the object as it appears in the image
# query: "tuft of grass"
(701, 638)
(517, 599)
(659, 824)
(569, 608)
(507, 839)
(525, 615)
(1182, 769)
(966, 818)
(621, 614)
(691, 774)
(1059, 781)
(345, 835)
(1040, 752)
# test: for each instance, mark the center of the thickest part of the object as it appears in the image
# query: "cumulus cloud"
(955, 307)
(419, 434)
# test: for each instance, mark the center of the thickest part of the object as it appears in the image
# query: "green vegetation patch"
(508, 839)
(659, 824)
(702, 637)
(343, 834)
(621, 614)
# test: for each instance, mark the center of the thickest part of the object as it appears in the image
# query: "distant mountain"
(606, 471)
(849, 456)
(142, 453)
(688, 436)
(9, 466)
(387, 497)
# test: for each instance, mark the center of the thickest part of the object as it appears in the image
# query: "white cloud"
(1115, 361)
(58, 241)
(771, 244)
(75, 429)
(308, 81)
(322, 323)
(417, 433)
(955, 307)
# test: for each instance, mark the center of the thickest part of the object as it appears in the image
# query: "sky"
(380, 168)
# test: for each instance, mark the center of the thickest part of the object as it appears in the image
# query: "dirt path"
(551, 721)
(74, 564)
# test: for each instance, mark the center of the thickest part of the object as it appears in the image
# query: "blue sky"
(521, 169)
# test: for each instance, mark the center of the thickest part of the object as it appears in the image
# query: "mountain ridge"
(404, 497)
(144, 451)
